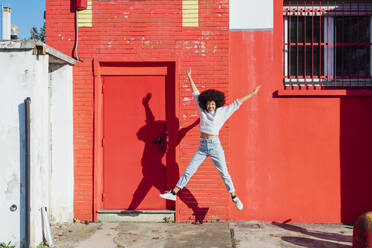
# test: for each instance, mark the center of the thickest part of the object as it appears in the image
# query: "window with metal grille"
(327, 43)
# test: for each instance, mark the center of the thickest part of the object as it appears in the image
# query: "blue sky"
(25, 14)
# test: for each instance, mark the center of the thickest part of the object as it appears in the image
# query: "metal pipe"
(27, 103)
(76, 56)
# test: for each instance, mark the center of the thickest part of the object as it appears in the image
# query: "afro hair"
(211, 95)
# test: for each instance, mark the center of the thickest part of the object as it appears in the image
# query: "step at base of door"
(145, 215)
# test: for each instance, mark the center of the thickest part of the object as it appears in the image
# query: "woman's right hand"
(192, 84)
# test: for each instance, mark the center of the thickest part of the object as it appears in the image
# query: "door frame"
(110, 67)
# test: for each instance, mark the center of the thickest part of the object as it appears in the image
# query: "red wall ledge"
(322, 93)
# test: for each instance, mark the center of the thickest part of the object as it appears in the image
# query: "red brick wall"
(147, 31)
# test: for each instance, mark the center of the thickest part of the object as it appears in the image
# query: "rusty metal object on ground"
(362, 232)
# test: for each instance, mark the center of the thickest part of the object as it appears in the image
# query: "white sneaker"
(168, 195)
(238, 203)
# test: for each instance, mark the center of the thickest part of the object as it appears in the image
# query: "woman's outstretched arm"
(193, 87)
(254, 92)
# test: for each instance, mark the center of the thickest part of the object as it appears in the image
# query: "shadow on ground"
(321, 237)
(313, 243)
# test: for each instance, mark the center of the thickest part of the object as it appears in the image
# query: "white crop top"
(211, 123)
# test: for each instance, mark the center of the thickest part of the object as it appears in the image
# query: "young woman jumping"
(212, 117)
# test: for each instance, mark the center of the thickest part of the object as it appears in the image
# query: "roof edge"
(31, 44)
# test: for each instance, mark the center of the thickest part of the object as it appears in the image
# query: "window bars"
(327, 43)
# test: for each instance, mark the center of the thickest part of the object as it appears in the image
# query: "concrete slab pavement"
(252, 234)
(103, 237)
(279, 235)
(173, 235)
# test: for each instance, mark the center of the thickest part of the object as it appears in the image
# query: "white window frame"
(329, 50)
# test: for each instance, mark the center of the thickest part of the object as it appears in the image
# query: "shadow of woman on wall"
(160, 138)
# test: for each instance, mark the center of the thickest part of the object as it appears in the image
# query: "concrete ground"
(250, 234)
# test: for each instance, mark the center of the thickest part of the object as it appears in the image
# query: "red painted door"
(134, 142)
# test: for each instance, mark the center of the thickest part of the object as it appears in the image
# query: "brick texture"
(148, 31)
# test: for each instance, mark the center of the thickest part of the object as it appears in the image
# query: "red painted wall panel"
(299, 159)
(289, 145)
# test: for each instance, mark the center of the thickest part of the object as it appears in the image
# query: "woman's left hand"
(256, 89)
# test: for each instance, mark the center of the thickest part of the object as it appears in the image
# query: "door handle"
(159, 141)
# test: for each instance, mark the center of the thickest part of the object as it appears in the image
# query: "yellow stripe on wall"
(190, 13)
(84, 17)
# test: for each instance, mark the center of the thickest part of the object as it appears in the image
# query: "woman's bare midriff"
(207, 136)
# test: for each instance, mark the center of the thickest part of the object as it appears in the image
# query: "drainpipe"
(76, 56)
(27, 170)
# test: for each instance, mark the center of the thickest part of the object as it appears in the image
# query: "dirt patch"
(67, 235)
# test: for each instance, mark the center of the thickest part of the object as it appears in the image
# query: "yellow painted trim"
(190, 13)
(84, 17)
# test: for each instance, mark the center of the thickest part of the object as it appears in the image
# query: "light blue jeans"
(212, 148)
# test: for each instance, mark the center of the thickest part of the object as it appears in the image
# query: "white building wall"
(39, 147)
(61, 128)
(13, 90)
(23, 75)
